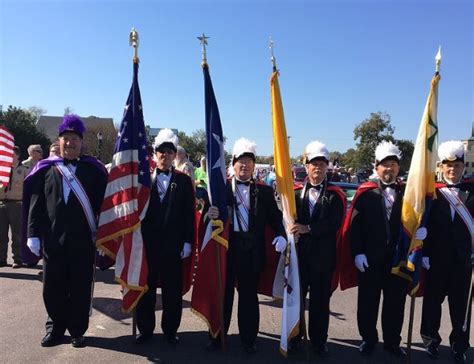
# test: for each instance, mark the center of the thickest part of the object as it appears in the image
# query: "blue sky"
(339, 61)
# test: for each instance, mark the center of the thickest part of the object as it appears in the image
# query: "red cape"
(348, 273)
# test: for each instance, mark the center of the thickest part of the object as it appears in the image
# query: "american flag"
(208, 291)
(126, 202)
(7, 143)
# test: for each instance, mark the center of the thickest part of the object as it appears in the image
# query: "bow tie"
(455, 185)
(246, 183)
(159, 171)
(70, 161)
(317, 187)
(384, 186)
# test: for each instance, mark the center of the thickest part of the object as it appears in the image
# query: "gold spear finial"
(438, 60)
(203, 40)
(270, 45)
(134, 41)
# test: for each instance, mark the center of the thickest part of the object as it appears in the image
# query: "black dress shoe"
(143, 338)
(432, 351)
(17, 265)
(78, 342)
(322, 350)
(51, 340)
(293, 346)
(249, 348)
(172, 339)
(459, 357)
(395, 350)
(214, 345)
(366, 348)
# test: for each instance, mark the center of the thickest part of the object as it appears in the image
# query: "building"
(49, 124)
(469, 153)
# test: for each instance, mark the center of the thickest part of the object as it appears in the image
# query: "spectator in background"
(182, 163)
(35, 154)
(54, 149)
(200, 174)
(353, 178)
(10, 211)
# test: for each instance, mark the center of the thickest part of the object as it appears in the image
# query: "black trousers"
(319, 286)
(242, 271)
(450, 280)
(375, 280)
(167, 269)
(67, 284)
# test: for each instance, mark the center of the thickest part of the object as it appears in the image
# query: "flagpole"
(134, 42)
(413, 296)
(288, 248)
(203, 40)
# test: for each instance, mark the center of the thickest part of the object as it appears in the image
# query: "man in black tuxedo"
(252, 207)
(320, 212)
(375, 227)
(447, 255)
(168, 232)
(65, 222)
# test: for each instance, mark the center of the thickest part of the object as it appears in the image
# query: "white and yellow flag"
(287, 282)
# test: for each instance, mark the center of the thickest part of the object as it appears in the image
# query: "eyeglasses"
(167, 151)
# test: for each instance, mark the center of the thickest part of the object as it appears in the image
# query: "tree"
(36, 111)
(21, 123)
(68, 110)
(349, 158)
(370, 133)
(406, 147)
(91, 142)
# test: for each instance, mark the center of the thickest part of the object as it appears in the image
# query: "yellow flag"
(284, 175)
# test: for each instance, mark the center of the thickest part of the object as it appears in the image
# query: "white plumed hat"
(244, 146)
(451, 151)
(386, 150)
(166, 136)
(316, 149)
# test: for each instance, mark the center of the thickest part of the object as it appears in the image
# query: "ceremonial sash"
(76, 187)
(461, 209)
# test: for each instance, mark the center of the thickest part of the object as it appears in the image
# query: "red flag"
(7, 142)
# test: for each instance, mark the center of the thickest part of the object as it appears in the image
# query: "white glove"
(186, 252)
(421, 233)
(360, 262)
(213, 212)
(280, 244)
(34, 244)
(101, 253)
(426, 263)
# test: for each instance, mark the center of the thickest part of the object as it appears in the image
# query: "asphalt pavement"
(109, 340)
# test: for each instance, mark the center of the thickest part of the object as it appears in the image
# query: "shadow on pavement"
(111, 307)
(33, 276)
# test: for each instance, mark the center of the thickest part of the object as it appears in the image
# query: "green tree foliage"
(369, 134)
(21, 123)
(406, 147)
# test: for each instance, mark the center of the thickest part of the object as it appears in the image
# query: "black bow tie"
(455, 185)
(317, 187)
(70, 161)
(159, 171)
(391, 185)
(246, 183)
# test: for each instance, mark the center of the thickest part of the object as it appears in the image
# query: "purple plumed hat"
(73, 124)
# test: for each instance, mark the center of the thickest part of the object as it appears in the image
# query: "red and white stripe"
(119, 234)
(7, 142)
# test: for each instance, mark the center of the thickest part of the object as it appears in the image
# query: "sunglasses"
(37, 151)
(166, 150)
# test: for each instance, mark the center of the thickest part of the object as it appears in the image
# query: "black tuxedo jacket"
(170, 223)
(263, 212)
(51, 218)
(320, 244)
(449, 241)
(371, 233)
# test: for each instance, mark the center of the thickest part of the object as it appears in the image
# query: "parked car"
(349, 190)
